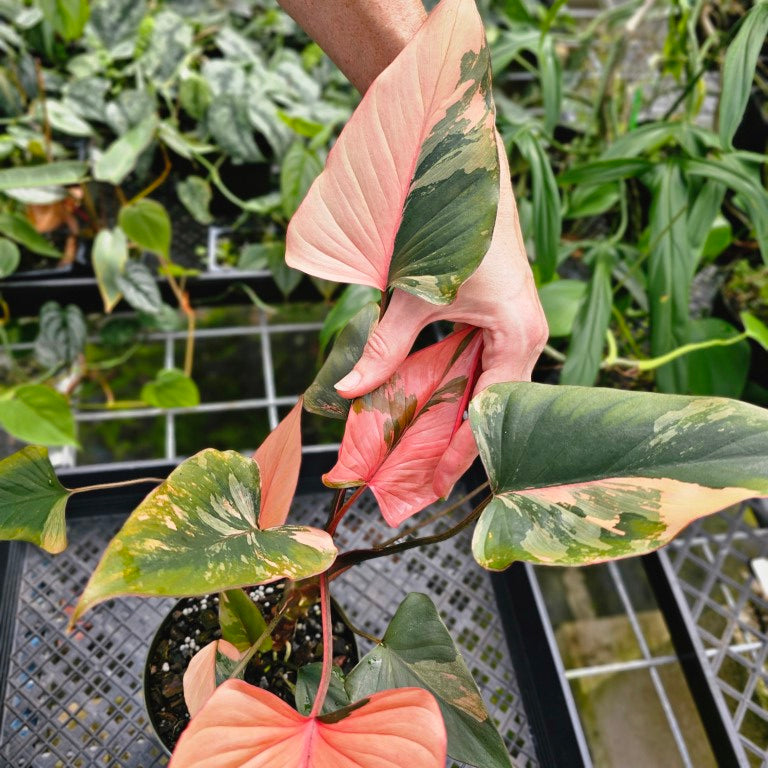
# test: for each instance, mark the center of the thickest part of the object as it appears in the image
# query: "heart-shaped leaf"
(110, 253)
(279, 460)
(38, 414)
(396, 435)
(418, 651)
(408, 197)
(171, 388)
(583, 475)
(244, 725)
(146, 222)
(139, 287)
(62, 335)
(198, 532)
(32, 500)
(307, 683)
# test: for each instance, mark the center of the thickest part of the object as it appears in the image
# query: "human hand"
(500, 298)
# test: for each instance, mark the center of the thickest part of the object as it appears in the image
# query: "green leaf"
(321, 396)
(121, 156)
(352, 299)
(671, 266)
(114, 21)
(170, 41)
(644, 140)
(551, 82)
(720, 371)
(417, 651)
(66, 120)
(198, 532)
(592, 200)
(62, 334)
(32, 500)
(718, 237)
(67, 17)
(307, 683)
(110, 253)
(242, 623)
(547, 220)
(195, 194)
(139, 288)
(739, 70)
(38, 414)
(581, 475)
(704, 220)
(605, 171)
(284, 276)
(195, 95)
(54, 174)
(146, 222)
(299, 169)
(585, 351)
(9, 257)
(17, 228)
(228, 122)
(171, 388)
(755, 329)
(560, 301)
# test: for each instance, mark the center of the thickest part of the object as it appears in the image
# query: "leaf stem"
(251, 652)
(325, 677)
(339, 513)
(119, 484)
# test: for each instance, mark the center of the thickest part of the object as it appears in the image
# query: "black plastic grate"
(76, 701)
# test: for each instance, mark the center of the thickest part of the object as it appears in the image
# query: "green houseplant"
(576, 475)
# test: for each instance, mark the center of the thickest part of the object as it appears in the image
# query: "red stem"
(325, 677)
(336, 519)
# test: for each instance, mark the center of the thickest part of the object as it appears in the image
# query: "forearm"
(361, 36)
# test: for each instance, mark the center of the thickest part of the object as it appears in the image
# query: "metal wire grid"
(75, 701)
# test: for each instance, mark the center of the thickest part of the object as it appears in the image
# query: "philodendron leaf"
(16, 227)
(245, 725)
(321, 397)
(408, 197)
(396, 436)
(60, 173)
(200, 675)
(171, 388)
(146, 222)
(307, 683)
(418, 651)
(62, 335)
(351, 300)
(38, 414)
(110, 253)
(241, 621)
(32, 500)
(756, 329)
(9, 257)
(121, 156)
(584, 475)
(138, 286)
(198, 532)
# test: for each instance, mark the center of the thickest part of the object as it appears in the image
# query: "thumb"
(387, 346)
(456, 460)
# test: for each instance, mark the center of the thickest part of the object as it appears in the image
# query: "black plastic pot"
(193, 623)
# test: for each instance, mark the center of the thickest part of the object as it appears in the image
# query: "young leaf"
(38, 414)
(560, 301)
(171, 388)
(61, 336)
(9, 257)
(121, 156)
(307, 683)
(198, 532)
(242, 724)
(199, 679)
(396, 435)
(590, 324)
(279, 460)
(139, 288)
(60, 173)
(583, 475)
(300, 167)
(321, 397)
(110, 253)
(241, 621)
(146, 222)
(32, 500)
(739, 69)
(418, 651)
(352, 299)
(16, 227)
(408, 197)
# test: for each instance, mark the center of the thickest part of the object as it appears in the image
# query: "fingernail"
(350, 381)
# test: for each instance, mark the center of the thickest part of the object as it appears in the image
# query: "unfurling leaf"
(199, 532)
(242, 623)
(408, 197)
(396, 435)
(171, 388)
(245, 725)
(418, 651)
(583, 475)
(32, 500)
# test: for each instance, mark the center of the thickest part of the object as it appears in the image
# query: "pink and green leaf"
(200, 676)
(244, 725)
(409, 194)
(396, 435)
(583, 475)
(198, 532)
(279, 460)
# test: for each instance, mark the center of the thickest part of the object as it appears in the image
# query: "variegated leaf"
(198, 532)
(409, 194)
(583, 475)
(396, 435)
(242, 725)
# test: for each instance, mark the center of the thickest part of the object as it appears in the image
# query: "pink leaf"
(243, 726)
(279, 460)
(396, 435)
(409, 194)
(200, 676)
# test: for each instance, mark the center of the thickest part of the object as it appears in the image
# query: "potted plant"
(576, 475)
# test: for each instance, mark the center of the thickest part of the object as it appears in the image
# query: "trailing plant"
(576, 475)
